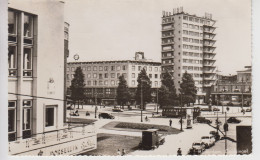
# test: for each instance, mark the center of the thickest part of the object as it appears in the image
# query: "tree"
(78, 86)
(163, 96)
(188, 89)
(123, 95)
(144, 84)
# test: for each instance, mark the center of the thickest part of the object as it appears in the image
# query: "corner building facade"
(36, 66)
(188, 45)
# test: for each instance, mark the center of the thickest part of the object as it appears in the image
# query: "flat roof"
(116, 61)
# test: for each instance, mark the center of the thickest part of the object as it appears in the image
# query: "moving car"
(106, 116)
(198, 147)
(216, 109)
(233, 120)
(205, 109)
(248, 110)
(117, 109)
(208, 141)
(203, 120)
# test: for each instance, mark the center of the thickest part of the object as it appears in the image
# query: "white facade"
(188, 45)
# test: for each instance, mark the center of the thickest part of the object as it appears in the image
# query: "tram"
(177, 112)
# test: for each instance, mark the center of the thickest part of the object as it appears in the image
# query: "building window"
(108, 91)
(12, 61)
(118, 74)
(100, 76)
(89, 68)
(106, 75)
(105, 68)
(118, 68)
(106, 82)
(112, 75)
(94, 68)
(150, 68)
(89, 75)
(27, 62)
(12, 22)
(94, 83)
(156, 76)
(94, 75)
(139, 68)
(112, 68)
(100, 68)
(133, 82)
(49, 116)
(133, 75)
(112, 82)
(155, 83)
(145, 68)
(133, 68)
(156, 69)
(89, 83)
(124, 68)
(100, 83)
(28, 26)
(68, 68)
(124, 74)
(150, 76)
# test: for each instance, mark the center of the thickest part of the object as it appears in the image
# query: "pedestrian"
(118, 152)
(123, 152)
(170, 121)
(179, 152)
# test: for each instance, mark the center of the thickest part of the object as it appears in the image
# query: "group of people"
(119, 153)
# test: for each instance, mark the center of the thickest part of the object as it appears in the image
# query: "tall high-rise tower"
(188, 45)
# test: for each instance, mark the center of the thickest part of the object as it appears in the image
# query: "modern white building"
(188, 45)
(36, 88)
(101, 77)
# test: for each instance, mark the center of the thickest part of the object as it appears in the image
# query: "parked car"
(248, 110)
(216, 109)
(203, 120)
(198, 147)
(208, 140)
(116, 109)
(70, 108)
(215, 134)
(233, 120)
(106, 116)
(205, 109)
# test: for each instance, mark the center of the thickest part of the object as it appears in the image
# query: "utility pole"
(157, 100)
(225, 134)
(181, 111)
(95, 102)
(141, 106)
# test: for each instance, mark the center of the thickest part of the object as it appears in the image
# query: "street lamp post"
(95, 102)
(141, 106)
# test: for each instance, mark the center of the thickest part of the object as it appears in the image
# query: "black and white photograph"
(129, 78)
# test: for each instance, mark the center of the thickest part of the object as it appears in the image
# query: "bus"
(176, 112)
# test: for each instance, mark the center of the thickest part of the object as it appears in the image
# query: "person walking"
(123, 152)
(179, 152)
(170, 122)
(118, 152)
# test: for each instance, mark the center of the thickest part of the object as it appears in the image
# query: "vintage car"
(208, 140)
(106, 116)
(197, 147)
(151, 139)
(203, 120)
(233, 120)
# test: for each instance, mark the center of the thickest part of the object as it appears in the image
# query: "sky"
(116, 29)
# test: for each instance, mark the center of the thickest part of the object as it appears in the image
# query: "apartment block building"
(36, 63)
(187, 44)
(101, 77)
(235, 92)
